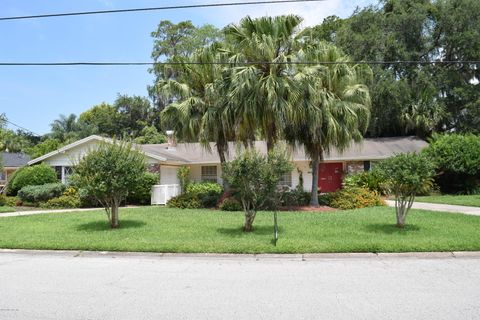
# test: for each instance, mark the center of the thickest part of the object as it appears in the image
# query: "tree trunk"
(401, 210)
(249, 217)
(401, 219)
(270, 145)
(223, 160)
(114, 216)
(314, 193)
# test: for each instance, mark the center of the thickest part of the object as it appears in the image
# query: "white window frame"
(67, 171)
(209, 176)
(286, 180)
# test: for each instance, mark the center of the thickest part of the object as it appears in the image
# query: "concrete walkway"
(474, 211)
(33, 212)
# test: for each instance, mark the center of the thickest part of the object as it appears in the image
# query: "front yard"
(461, 200)
(158, 229)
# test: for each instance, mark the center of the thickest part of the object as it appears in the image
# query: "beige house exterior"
(204, 164)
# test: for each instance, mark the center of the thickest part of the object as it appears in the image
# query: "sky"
(33, 96)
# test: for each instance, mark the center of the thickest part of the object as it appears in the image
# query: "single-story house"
(204, 165)
(11, 161)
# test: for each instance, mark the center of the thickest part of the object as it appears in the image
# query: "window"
(209, 173)
(58, 171)
(3, 176)
(67, 172)
(286, 180)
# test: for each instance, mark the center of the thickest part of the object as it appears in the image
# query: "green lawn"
(172, 230)
(461, 200)
(6, 209)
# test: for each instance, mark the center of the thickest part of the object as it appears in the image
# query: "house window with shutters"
(209, 173)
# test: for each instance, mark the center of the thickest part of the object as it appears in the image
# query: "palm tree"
(65, 127)
(424, 114)
(197, 111)
(262, 90)
(335, 108)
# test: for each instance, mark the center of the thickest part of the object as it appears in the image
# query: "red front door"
(330, 176)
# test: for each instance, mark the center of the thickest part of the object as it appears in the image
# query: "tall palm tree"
(65, 128)
(262, 90)
(197, 111)
(335, 108)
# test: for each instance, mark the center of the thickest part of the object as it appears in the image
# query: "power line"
(85, 63)
(178, 7)
(20, 127)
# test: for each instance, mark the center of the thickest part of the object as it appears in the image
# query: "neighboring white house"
(204, 165)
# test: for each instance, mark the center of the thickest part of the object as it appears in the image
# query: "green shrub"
(355, 198)
(36, 194)
(324, 199)
(293, 198)
(208, 193)
(368, 179)
(69, 199)
(143, 191)
(12, 201)
(87, 200)
(231, 204)
(31, 176)
(185, 201)
(457, 161)
(62, 202)
(3, 200)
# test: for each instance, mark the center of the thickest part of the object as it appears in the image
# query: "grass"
(6, 209)
(461, 200)
(157, 229)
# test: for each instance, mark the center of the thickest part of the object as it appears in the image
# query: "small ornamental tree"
(109, 174)
(406, 175)
(255, 177)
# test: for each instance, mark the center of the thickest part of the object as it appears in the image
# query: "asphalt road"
(96, 286)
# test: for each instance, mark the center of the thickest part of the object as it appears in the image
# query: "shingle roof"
(14, 160)
(369, 149)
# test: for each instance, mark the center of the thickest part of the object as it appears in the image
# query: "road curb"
(256, 257)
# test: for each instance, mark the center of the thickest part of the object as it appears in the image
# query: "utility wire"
(20, 127)
(178, 7)
(397, 62)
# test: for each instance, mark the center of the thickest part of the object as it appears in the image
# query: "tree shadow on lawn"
(238, 231)
(391, 228)
(104, 225)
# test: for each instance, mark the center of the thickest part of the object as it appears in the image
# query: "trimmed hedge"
(208, 193)
(36, 194)
(294, 198)
(185, 201)
(31, 176)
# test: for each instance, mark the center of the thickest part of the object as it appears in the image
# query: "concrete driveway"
(76, 285)
(474, 211)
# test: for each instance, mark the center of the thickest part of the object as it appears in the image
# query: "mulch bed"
(308, 208)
